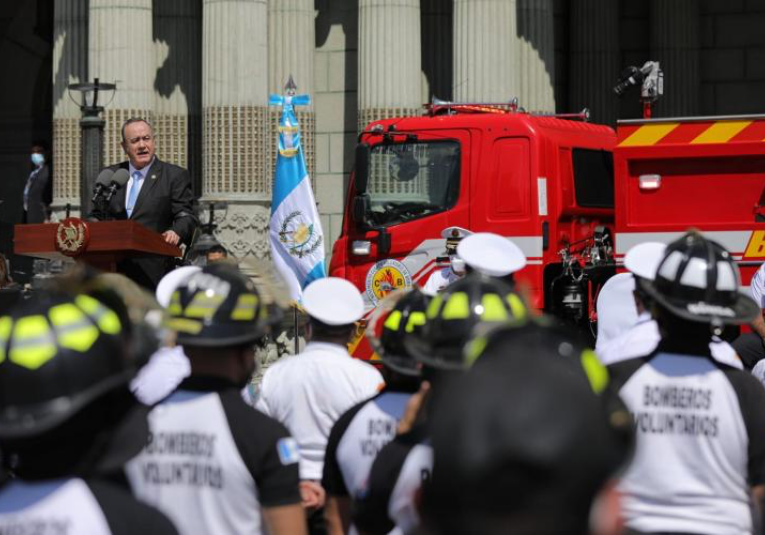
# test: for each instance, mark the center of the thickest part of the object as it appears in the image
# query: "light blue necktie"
(137, 179)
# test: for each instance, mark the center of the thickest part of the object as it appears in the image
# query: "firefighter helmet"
(698, 280)
(218, 306)
(58, 353)
(399, 316)
(452, 315)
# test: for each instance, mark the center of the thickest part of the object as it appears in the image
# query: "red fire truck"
(573, 196)
(701, 172)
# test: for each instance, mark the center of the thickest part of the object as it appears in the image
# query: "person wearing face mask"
(214, 464)
(37, 190)
(456, 269)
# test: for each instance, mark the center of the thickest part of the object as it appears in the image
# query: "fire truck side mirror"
(360, 209)
(361, 172)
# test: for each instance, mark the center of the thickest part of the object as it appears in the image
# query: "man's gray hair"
(136, 120)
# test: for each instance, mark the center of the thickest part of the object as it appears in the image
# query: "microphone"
(102, 182)
(119, 179)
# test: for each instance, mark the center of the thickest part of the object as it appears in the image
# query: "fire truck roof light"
(649, 182)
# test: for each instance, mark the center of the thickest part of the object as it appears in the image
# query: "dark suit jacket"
(39, 197)
(164, 203)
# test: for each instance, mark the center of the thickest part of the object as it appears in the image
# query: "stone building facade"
(202, 70)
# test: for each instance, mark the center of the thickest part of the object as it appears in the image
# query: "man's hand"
(171, 237)
(313, 494)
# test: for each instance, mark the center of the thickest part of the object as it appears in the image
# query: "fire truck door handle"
(545, 235)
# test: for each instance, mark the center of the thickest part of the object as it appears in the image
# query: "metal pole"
(92, 155)
(297, 332)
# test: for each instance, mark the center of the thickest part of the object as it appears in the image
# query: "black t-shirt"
(75, 506)
(700, 443)
(395, 484)
(212, 461)
(355, 440)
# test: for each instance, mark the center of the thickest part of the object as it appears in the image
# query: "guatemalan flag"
(297, 241)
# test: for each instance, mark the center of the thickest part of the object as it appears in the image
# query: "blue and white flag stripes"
(297, 240)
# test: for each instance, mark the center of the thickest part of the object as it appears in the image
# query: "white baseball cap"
(616, 308)
(643, 259)
(333, 301)
(491, 254)
(172, 281)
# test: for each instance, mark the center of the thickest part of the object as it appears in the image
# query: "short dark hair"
(217, 249)
(136, 120)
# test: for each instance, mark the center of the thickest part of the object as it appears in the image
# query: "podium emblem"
(72, 236)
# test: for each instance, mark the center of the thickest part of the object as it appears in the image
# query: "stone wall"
(732, 56)
(336, 109)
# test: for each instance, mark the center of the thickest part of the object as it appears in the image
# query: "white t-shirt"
(644, 336)
(439, 280)
(167, 367)
(308, 392)
(700, 444)
(616, 308)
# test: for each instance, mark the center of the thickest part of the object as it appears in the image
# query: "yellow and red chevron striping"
(706, 132)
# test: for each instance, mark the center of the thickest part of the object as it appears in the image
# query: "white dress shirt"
(308, 392)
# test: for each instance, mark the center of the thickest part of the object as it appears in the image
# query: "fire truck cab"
(546, 182)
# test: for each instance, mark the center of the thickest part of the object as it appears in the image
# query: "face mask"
(38, 159)
(457, 264)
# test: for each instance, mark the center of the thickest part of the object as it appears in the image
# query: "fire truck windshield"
(411, 180)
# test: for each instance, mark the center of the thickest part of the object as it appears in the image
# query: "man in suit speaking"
(157, 195)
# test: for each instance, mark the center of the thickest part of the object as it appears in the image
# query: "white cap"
(616, 308)
(455, 233)
(643, 259)
(172, 281)
(491, 254)
(333, 301)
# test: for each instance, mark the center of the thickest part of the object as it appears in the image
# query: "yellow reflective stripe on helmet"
(475, 349)
(493, 308)
(434, 306)
(5, 331)
(416, 318)
(74, 329)
(32, 343)
(393, 322)
(175, 308)
(203, 306)
(245, 308)
(457, 307)
(184, 325)
(517, 307)
(596, 372)
(106, 318)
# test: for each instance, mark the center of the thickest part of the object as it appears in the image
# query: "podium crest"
(72, 236)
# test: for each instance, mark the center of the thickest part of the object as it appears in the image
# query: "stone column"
(536, 55)
(291, 49)
(485, 56)
(437, 48)
(594, 58)
(675, 44)
(70, 65)
(178, 94)
(234, 109)
(121, 50)
(390, 73)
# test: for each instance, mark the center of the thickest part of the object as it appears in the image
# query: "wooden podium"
(102, 244)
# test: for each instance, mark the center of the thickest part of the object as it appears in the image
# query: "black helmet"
(399, 316)
(218, 306)
(569, 433)
(58, 353)
(453, 313)
(698, 280)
